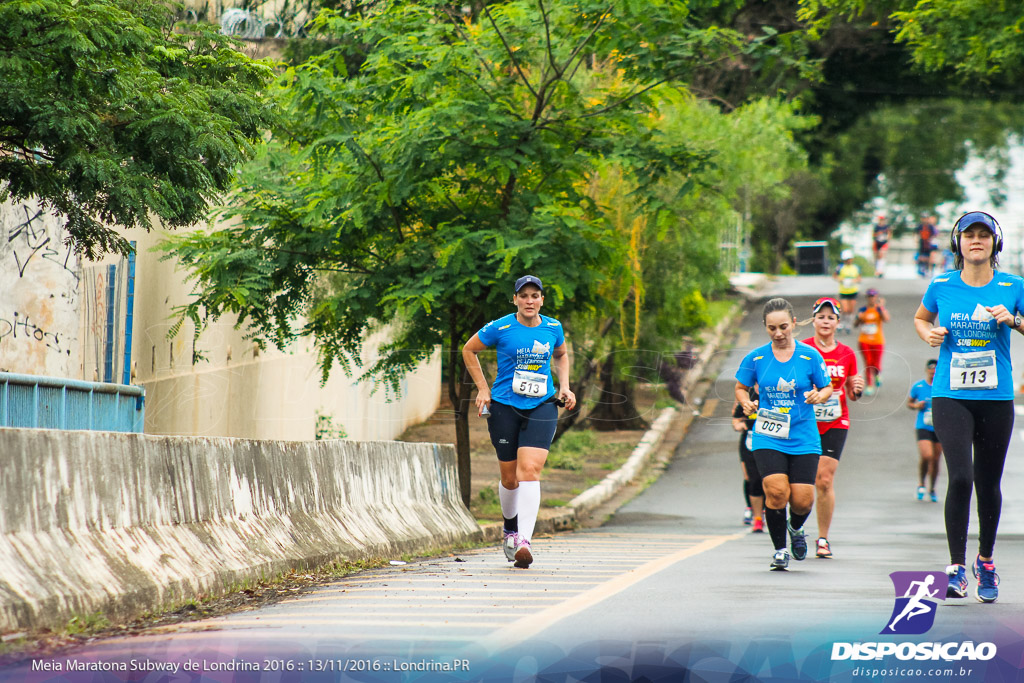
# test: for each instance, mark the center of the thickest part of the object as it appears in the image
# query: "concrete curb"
(566, 518)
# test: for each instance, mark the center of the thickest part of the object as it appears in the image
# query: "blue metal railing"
(58, 403)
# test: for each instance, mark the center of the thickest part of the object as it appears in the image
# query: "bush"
(570, 450)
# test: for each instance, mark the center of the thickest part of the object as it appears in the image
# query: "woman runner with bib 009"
(523, 414)
(969, 313)
(791, 377)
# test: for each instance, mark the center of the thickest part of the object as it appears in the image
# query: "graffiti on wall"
(39, 293)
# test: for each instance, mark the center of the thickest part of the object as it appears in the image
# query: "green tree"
(429, 158)
(109, 116)
(974, 38)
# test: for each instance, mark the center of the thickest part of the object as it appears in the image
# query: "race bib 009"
(772, 423)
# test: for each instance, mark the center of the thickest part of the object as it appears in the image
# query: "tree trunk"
(615, 408)
(460, 387)
(570, 417)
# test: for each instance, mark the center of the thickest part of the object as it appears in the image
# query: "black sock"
(796, 521)
(776, 521)
(511, 525)
(746, 491)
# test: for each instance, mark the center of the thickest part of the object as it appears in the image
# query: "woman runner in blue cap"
(521, 404)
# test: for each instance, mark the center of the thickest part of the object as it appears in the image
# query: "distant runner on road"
(848, 275)
(753, 492)
(928, 447)
(870, 319)
(791, 378)
(969, 313)
(523, 414)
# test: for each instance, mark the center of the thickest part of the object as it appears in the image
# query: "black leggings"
(986, 426)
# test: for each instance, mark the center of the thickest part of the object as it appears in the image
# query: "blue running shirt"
(922, 391)
(523, 350)
(782, 387)
(973, 334)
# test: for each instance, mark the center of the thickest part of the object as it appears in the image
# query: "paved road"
(672, 583)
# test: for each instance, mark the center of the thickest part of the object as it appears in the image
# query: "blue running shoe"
(988, 580)
(780, 561)
(748, 516)
(957, 574)
(508, 543)
(935, 499)
(920, 492)
(797, 543)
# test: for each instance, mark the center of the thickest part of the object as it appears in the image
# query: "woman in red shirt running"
(833, 416)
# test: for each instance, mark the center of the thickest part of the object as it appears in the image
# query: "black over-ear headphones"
(969, 219)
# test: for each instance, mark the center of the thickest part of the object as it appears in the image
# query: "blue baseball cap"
(529, 280)
(976, 218)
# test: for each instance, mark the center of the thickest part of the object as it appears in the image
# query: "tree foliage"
(974, 38)
(428, 159)
(108, 116)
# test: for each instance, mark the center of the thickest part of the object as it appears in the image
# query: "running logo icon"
(916, 593)
(980, 314)
(785, 387)
(540, 348)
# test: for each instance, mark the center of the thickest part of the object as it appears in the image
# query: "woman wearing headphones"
(522, 409)
(968, 313)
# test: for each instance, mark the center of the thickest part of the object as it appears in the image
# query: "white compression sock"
(509, 499)
(529, 506)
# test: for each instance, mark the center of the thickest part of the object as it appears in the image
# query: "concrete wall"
(39, 294)
(53, 321)
(122, 523)
(221, 385)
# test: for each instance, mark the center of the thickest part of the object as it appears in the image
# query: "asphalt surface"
(673, 584)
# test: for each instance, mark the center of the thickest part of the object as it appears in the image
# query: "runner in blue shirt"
(929, 448)
(791, 377)
(521, 406)
(969, 313)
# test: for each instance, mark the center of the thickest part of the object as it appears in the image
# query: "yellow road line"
(534, 624)
(709, 407)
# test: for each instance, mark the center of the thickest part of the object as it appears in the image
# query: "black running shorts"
(515, 428)
(801, 469)
(832, 442)
(927, 435)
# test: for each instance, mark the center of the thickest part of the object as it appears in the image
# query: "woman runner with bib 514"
(523, 414)
(791, 378)
(969, 313)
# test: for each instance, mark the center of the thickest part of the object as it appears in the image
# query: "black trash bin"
(811, 258)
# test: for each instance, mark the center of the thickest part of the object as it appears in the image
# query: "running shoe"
(523, 556)
(957, 574)
(758, 526)
(508, 544)
(780, 561)
(878, 381)
(935, 499)
(920, 492)
(988, 580)
(797, 543)
(869, 391)
(748, 516)
(823, 548)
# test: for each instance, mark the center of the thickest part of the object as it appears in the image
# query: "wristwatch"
(1017, 322)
